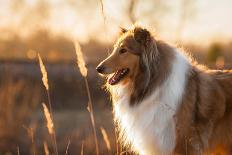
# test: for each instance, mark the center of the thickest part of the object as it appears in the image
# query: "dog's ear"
(123, 30)
(142, 35)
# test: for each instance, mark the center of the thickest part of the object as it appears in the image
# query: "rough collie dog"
(164, 102)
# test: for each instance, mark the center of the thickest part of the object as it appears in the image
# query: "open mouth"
(118, 76)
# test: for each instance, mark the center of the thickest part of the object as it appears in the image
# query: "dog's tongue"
(118, 75)
(115, 78)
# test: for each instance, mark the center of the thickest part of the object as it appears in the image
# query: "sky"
(209, 20)
(213, 20)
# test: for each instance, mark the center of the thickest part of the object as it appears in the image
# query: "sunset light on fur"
(127, 77)
(163, 100)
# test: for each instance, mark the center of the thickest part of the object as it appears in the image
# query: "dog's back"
(223, 129)
(204, 119)
(224, 78)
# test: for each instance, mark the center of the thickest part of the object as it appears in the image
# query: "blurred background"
(48, 27)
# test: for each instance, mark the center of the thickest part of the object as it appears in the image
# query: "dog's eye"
(123, 50)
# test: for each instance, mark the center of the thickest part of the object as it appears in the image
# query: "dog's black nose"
(100, 69)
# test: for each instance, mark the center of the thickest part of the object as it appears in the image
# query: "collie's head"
(134, 60)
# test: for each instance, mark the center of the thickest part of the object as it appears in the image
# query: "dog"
(163, 101)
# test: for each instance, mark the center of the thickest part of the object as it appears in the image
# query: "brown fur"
(204, 118)
(149, 61)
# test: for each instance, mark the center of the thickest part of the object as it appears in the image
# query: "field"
(23, 124)
(22, 93)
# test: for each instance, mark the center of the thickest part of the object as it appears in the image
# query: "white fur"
(149, 126)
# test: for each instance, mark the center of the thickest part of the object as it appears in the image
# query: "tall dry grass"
(18, 151)
(103, 13)
(50, 125)
(44, 72)
(105, 24)
(15, 109)
(106, 139)
(84, 71)
(31, 133)
(46, 150)
(48, 113)
(82, 148)
(66, 151)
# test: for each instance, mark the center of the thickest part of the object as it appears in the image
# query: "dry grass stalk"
(83, 70)
(80, 60)
(44, 73)
(102, 11)
(90, 109)
(31, 132)
(50, 127)
(18, 152)
(66, 151)
(116, 140)
(45, 82)
(46, 150)
(106, 139)
(82, 148)
(50, 124)
(104, 20)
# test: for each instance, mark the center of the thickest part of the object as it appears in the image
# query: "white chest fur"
(149, 126)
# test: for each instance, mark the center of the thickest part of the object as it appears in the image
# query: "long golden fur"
(203, 118)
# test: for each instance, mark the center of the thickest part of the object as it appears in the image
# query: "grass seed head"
(50, 124)
(80, 60)
(44, 72)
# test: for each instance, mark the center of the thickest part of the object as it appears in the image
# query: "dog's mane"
(156, 58)
(154, 66)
